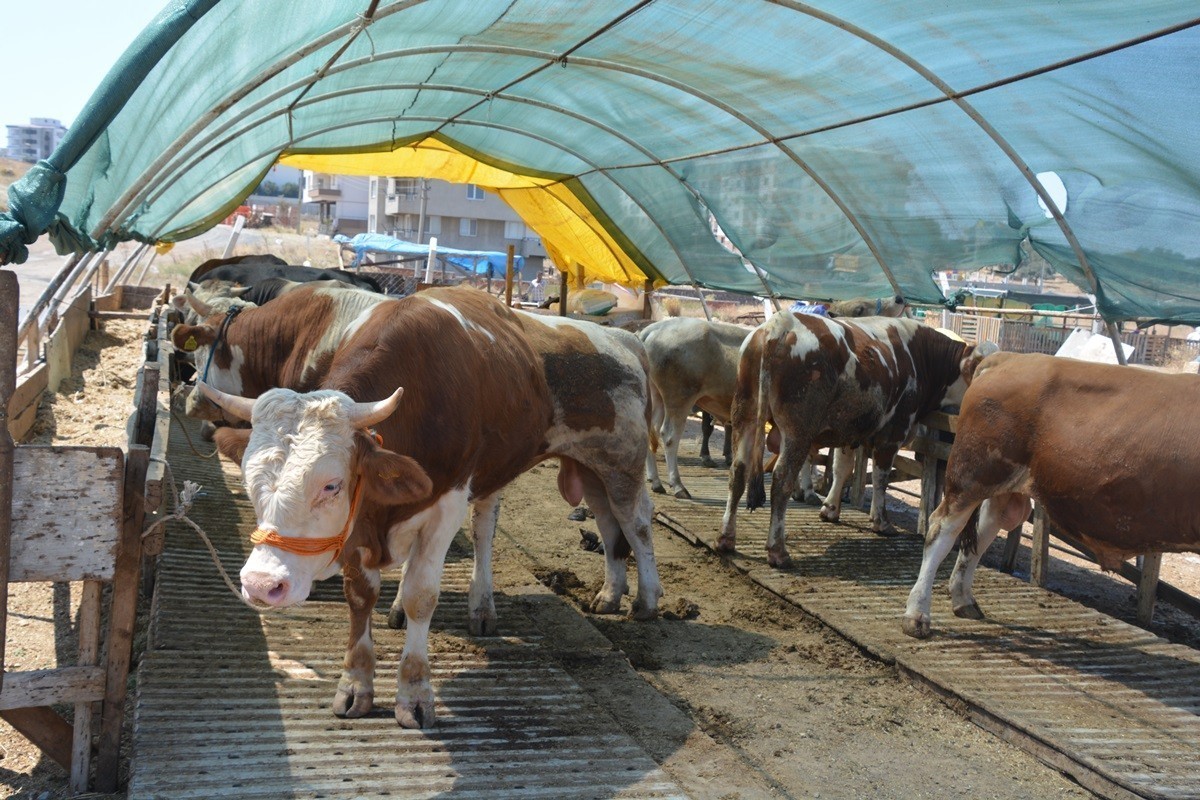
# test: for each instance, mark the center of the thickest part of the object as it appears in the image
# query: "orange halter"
(302, 546)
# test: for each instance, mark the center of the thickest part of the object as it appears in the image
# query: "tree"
(291, 190)
(268, 189)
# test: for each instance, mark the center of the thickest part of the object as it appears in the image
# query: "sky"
(68, 46)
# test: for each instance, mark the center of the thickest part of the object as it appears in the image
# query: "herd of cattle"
(344, 476)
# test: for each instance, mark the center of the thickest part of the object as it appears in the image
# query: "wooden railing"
(56, 525)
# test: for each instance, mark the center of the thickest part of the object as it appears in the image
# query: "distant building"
(35, 141)
(462, 216)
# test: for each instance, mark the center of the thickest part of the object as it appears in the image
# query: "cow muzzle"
(265, 589)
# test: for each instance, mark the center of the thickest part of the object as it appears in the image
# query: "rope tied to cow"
(183, 501)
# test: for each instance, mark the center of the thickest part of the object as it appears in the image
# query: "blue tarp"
(477, 261)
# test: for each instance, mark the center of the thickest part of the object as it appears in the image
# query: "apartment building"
(35, 141)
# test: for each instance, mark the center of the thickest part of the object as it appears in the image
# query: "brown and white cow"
(693, 364)
(304, 331)
(488, 393)
(1108, 451)
(833, 383)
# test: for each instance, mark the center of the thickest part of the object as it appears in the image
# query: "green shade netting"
(837, 149)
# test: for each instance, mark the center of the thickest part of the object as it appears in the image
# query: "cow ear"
(973, 356)
(189, 337)
(231, 442)
(390, 478)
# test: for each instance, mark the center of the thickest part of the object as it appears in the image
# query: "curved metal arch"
(119, 210)
(502, 96)
(966, 107)
(550, 58)
(595, 167)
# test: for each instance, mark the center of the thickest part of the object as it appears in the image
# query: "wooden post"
(10, 295)
(1039, 549)
(89, 652)
(508, 275)
(562, 294)
(647, 306)
(1148, 588)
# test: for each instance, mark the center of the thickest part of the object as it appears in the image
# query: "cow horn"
(239, 407)
(199, 306)
(364, 415)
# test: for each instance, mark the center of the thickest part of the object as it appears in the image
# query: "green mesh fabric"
(845, 148)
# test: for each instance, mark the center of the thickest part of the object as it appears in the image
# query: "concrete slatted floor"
(1107, 702)
(232, 704)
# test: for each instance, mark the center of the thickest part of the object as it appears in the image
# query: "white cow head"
(303, 461)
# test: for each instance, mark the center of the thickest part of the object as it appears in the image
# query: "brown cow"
(1106, 450)
(490, 393)
(833, 383)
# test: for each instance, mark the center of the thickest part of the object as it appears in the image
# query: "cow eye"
(332, 488)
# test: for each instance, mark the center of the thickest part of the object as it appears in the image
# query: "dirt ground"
(799, 709)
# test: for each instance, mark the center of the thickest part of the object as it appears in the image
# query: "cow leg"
(945, 524)
(728, 449)
(804, 492)
(672, 432)
(356, 688)
(706, 431)
(656, 422)
(881, 463)
(791, 460)
(419, 589)
(843, 465)
(485, 511)
(1003, 511)
(742, 446)
(623, 515)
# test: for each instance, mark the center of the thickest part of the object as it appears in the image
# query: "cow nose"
(264, 588)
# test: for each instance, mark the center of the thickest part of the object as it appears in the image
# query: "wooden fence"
(76, 513)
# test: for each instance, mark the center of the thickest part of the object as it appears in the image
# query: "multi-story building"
(35, 141)
(462, 216)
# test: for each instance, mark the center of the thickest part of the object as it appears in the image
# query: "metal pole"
(36, 310)
(1115, 335)
(430, 260)
(146, 268)
(238, 223)
(704, 303)
(421, 215)
(300, 201)
(508, 275)
(126, 268)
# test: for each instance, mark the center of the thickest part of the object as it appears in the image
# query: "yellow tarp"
(576, 239)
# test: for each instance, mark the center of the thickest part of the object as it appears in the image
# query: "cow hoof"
(683, 494)
(352, 702)
(811, 498)
(578, 514)
(830, 514)
(779, 560)
(708, 462)
(726, 545)
(888, 530)
(659, 489)
(482, 625)
(396, 618)
(603, 605)
(973, 611)
(642, 613)
(416, 711)
(917, 627)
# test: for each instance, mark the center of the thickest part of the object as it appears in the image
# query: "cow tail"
(968, 538)
(756, 490)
